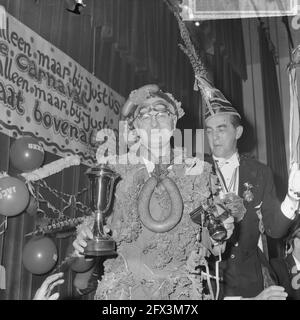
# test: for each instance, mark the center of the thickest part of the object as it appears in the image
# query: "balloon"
(26, 154)
(81, 280)
(39, 255)
(14, 196)
(32, 206)
(80, 264)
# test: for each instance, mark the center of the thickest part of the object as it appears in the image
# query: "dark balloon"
(14, 196)
(26, 154)
(40, 255)
(80, 264)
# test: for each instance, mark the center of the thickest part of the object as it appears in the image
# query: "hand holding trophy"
(101, 188)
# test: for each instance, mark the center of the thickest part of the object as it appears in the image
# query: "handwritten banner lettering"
(46, 94)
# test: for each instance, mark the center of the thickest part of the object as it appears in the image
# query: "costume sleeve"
(276, 224)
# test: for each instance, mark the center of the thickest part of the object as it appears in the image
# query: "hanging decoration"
(60, 222)
(3, 226)
(51, 221)
(40, 255)
(73, 262)
(52, 168)
(64, 224)
(79, 264)
(14, 195)
(28, 194)
(54, 220)
(35, 182)
(64, 117)
(76, 6)
(26, 154)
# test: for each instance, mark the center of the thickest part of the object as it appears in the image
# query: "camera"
(211, 220)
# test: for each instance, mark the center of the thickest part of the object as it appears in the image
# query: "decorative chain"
(63, 222)
(72, 199)
(60, 194)
(57, 226)
(3, 226)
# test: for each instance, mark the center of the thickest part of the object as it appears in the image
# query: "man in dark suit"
(241, 259)
(287, 269)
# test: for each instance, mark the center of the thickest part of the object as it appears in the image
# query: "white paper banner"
(46, 94)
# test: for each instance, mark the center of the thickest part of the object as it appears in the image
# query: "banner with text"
(46, 94)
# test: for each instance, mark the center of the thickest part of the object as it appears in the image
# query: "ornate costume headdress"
(215, 101)
(219, 105)
(139, 96)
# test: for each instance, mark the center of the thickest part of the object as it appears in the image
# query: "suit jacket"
(241, 267)
(287, 275)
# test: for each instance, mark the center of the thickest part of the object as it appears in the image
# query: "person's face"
(222, 135)
(155, 123)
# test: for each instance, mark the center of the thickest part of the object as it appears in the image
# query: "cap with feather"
(215, 101)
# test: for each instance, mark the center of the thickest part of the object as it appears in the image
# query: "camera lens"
(219, 234)
(216, 229)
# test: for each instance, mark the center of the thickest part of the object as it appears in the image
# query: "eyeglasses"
(161, 116)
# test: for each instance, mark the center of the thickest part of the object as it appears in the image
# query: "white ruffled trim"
(52, 168)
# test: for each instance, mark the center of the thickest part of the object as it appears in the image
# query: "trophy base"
(99, 248)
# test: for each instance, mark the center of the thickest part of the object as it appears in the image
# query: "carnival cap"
(214, 100)
(139, 96)
(219, 105)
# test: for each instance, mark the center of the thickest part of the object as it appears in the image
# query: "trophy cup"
(101, 186)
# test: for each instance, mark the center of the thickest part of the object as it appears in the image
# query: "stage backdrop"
(45, 93)
(134, 42)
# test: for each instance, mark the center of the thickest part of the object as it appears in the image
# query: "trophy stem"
(98, 231)
(101, 244)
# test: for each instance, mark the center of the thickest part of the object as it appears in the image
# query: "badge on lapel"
(248, 194)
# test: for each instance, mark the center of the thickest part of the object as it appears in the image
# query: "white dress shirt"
(227, 168)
